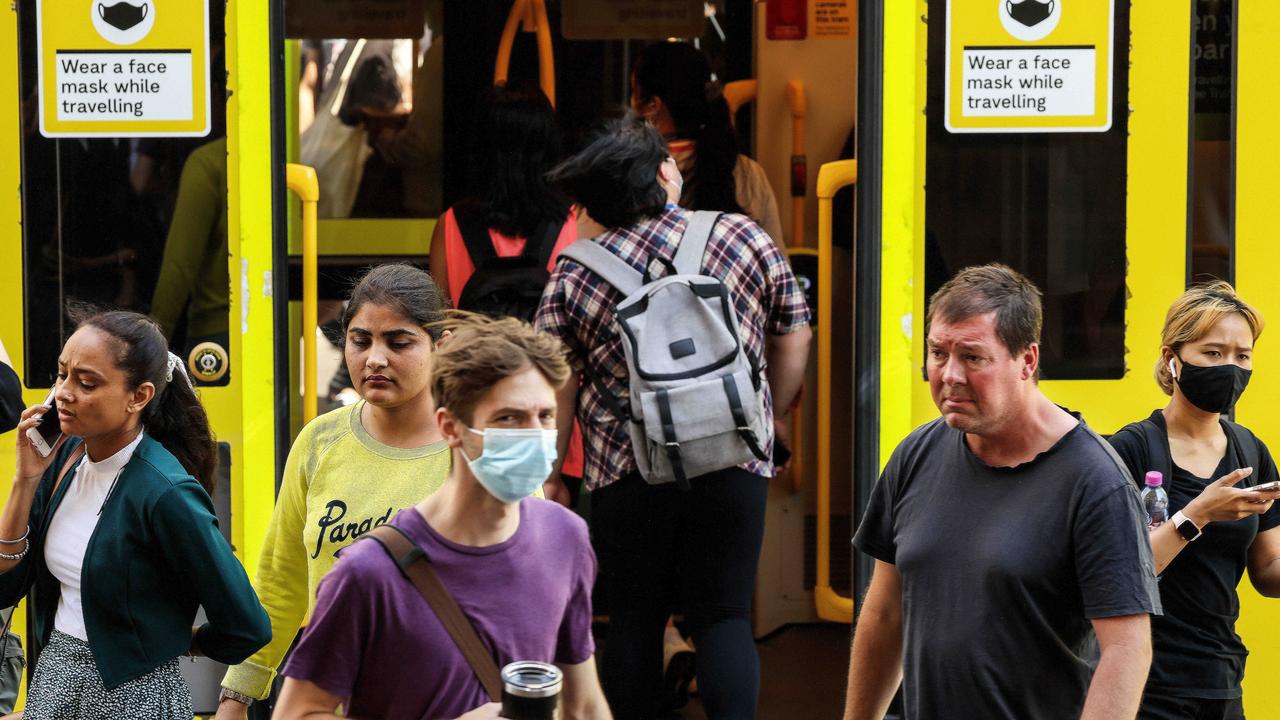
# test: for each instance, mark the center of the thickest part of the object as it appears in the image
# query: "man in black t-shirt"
(1011, 550)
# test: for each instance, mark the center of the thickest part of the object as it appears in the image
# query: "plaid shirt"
(578, 307)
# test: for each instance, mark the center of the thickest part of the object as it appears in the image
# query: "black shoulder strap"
(417, 568)
(1246, 449)
(1159, 457)
(544, 242)
(475, 233)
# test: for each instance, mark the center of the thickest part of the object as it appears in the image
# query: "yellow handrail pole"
(503, 63)
(301, 179)
(531, 15)
(796, 101)
(546, 55)
(831, 177)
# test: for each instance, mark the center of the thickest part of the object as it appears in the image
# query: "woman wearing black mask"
(1216, 529)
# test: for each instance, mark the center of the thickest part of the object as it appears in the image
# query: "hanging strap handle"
(416, 566)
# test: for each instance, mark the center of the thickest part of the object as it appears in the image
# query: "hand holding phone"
(47, 432)
(1266, 487)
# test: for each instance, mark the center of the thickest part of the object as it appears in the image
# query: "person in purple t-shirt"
(521, 568)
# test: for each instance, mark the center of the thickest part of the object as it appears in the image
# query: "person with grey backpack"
(687, 329)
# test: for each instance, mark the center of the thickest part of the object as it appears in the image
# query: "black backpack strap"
(544, 242)
(475, 233)
(1247, 451)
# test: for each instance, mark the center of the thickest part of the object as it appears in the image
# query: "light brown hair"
(481, 351)
(993, 288)
(1191, 317)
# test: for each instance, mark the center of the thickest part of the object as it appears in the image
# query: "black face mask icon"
(123, 16)
(1029, 12)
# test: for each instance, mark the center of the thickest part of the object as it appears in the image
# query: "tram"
(891, 169)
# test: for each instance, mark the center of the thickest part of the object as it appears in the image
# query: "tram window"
(1213, 182)
(370, 117)
(132, 223)
(1050, 205)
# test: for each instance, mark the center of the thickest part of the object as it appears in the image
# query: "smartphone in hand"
(46, 434)
(1266, 487)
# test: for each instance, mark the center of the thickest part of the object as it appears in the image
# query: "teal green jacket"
(154, 557)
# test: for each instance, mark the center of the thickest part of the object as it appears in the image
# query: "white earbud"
(1172, 372)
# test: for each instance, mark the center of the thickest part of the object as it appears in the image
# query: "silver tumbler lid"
(527, 678)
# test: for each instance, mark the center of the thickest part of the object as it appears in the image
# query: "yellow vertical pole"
(301, 179)
(831, 177)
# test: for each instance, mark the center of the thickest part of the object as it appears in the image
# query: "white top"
(72, 527)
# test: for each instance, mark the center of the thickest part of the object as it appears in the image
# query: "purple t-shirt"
(374, 641)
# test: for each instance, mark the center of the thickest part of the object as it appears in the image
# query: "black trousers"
(1161, 707)
(659, 548)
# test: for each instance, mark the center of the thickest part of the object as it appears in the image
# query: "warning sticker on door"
(1029, 65)
(128, 68)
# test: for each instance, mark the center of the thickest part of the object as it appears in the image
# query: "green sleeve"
(194, 217)
(281, 580)
(187, 530)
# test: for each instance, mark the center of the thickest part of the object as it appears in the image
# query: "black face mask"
(1213, 389)
(1029, 12)
(122, 15)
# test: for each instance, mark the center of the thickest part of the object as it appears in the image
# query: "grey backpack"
(696, 400)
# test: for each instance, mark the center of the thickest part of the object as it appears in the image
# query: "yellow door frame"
(1257, 34)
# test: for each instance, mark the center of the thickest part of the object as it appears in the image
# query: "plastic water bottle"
(1154, 500)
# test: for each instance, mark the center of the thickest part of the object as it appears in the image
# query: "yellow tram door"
(144, 183)
(1114, 153)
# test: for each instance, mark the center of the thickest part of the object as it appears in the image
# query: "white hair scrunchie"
(176, 362)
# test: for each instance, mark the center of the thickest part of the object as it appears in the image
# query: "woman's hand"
(30, 466)
(1220, 501)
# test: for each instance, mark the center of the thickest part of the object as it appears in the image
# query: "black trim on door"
(866, 343)
(279, 240)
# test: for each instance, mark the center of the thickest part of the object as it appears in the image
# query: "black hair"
(680, 74)
(404, 287)
(516, 141)
(174, 417)
(615, 177)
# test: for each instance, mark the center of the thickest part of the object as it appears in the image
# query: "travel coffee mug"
(530, 690)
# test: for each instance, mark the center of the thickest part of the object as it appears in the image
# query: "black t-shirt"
(1003, 568)
(1197, 651)
(10, 399)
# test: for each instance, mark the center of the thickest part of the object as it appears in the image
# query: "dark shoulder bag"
(417, 568)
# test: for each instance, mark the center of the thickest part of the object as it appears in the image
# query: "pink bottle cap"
(1155, 478)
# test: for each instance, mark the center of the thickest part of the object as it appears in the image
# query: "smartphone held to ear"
(46, 434)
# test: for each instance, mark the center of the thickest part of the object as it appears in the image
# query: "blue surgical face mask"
(515, 461)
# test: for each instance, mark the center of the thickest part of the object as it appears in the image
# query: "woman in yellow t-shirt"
(353, 468)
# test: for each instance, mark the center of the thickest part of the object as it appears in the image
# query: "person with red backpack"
(493, 252)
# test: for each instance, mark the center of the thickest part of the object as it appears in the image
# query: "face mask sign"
(1029, 12)
(515, 461)
(1213, 389)
(122, 15)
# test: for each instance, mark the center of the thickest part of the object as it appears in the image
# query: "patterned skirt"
(67, 686)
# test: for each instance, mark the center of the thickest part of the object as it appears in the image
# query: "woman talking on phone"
(1219, 527)
(116, 533)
